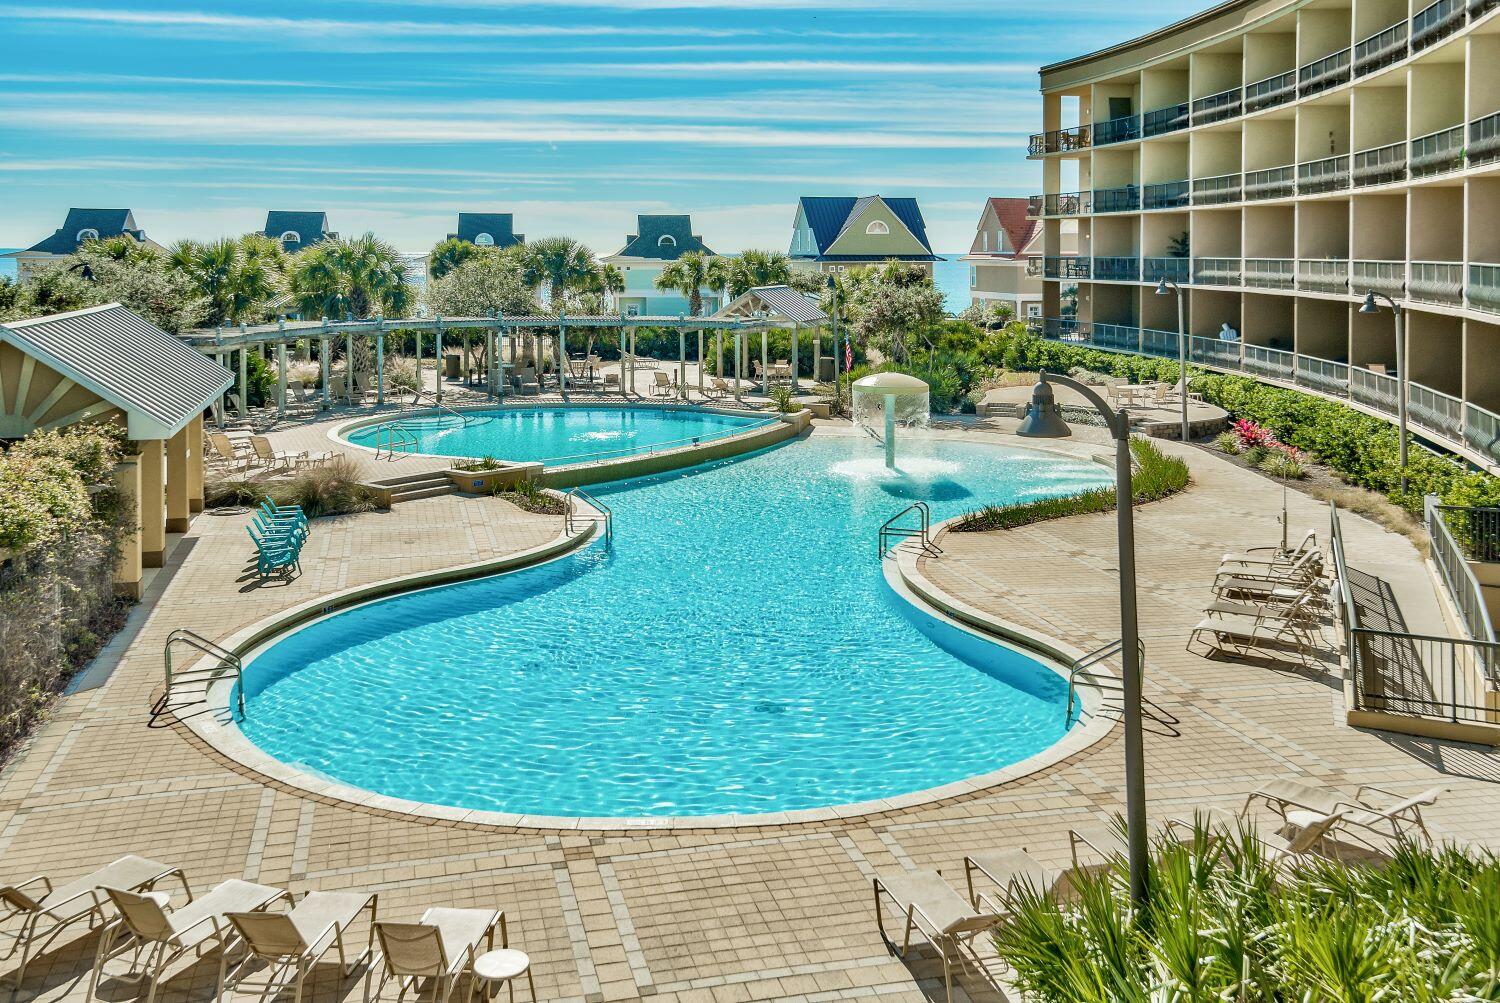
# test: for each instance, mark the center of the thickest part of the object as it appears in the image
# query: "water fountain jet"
(898, 399)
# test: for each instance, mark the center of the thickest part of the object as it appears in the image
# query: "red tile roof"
(1011, 212)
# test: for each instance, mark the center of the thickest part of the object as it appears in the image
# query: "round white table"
(506, 966)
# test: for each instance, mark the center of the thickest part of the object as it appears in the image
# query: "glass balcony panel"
(1437, 282)
(1216, 191)
(1381, 165)
(1271, 273)
(1381, 49)
(1321, 74)
(1326, 175)
(1171, 195)
(1060, 141)
(1117, 130)
(1119, 337)
(1272, 91)
(1216, 271)
(1374, 390)
(1484, 138)
(1274, 183)
(1482, 428)
(1118, 268)
(1061, 329)
(1436, 411)
(1388, 277)
(1163, 344)
(1164, 120)
(1435, 22)
(1172, 269)
(1214, 352)
(1323, 374)
(1438, 151)
(1123, 199)
(1217, 107)
(1068, 204)
(1269, 363)
(1484, 287)
(1479, 8)
(1065, 268)
(1323, 275)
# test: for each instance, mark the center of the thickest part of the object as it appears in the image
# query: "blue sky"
(574, 115)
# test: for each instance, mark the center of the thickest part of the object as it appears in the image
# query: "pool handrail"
(226, 660)
(391, 433)
(922, 532)
(571, 519)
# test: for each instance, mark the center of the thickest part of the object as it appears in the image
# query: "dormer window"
(984, 237)
(877, 228)
(484, 240)
(666, 240)
(87, 233)
(290, 239)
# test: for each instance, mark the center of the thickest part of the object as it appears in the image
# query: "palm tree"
(355, 277)
(237, 278)
(561, 264)
(758, 268)
(609, 281)
(448, 255)
(688, 275)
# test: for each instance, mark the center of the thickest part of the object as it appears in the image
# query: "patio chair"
(1010, 871)
(441, 946)
(716, 389)
(276, 555)
(224, 449)
(1308, 567)
(1398, 818)
(1284, 851)
(612, 382)
(931, 906)
(1274, 556)
(157, 934)
(275, 459)
(663, 385)
(293, 942)
(45, 910)
(1253, 595)
(1238, 633)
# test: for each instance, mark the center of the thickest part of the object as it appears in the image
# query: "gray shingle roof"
(499, 225)
(106, 222)
(311, 227)
(828, 215)
(783, 301)
(159, 382)
(646, 242)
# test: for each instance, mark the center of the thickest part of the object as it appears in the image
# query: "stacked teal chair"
(278, 531)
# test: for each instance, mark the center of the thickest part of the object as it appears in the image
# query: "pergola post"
(562, 355)
(195, 464)
(153, 503)
(177, 513)
(380, 365)
(700, 362)
(281, 379)
(243, 386)
(681, 363)
(765, 360)
(719, 351)
(796, 343)
(437, 355)
(817, 340)
(349, 366)
(739, 369)
(323, 368)
(417, 340)
(464, 359)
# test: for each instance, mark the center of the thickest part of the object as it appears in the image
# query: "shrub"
(483, 463)
(400, 373)
(1228, 442)
(233, 492)
(330, 489)
(781, 398)
(92, 451)
(1256, 455)
(529, 496)
(1285, 463)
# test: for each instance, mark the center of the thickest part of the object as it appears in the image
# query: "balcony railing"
(1321, 74)
(1273, 183)
(1271, 91)
(1169, 195)
(1479, 8)
(1484, 138)
(1438, 151)
(1269, 363)
(1124, 199)
(1484, 287)
(1323, 275)
(1216, 271)
(1172, 269)
(1034, 206)
(1060, 141)
(1482, 431)
(1372, 389)
(1381, 49)
(1214, 352)
(1387, 277)
(1061, 329)
(1381, 165)
(1326, 175)
(1437, 282)
(1436, 411)
(1435, 22)
(1117, 268)
(1217, 107)
(1065, 268)
(1216, 191)
(1162, 344)
(1271, 273)
(1069, 204)
(1117, 130)
(1323, 374)
(1120, 337)
(1164, 120)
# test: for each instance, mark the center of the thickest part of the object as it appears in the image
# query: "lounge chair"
(275, 459)
(441, 946)
(931, 906)
(716, 389)
(1010, 871)
(1399, 818)
(1306, 570)
(1274, 846)
(46, 911)
(224, 449)
(156, 934)
(293, 942)
(1237, 633)
(1273, 556)
(1254, 595)
(662, 385)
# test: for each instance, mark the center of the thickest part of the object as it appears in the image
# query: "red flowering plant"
(1252, 434)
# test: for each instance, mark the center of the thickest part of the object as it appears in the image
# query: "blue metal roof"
(499, 225)
(310, 227)
(651, 229)
(827, 215)
(105, 222)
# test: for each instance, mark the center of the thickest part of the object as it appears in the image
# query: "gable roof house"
(488, 229)
(81, 225)
(999, 259)
(832, 233)
(658, 240)
(297, 230)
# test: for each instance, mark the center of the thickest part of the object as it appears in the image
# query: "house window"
(973, 277)
(667, 240)
(1033, 310)
(877, 228)
(88, 234)
(484, 240)
(984, 238)
(290, 239)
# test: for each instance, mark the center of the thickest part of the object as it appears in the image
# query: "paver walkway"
(716, 916)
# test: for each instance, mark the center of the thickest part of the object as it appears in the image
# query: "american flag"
(848, 354)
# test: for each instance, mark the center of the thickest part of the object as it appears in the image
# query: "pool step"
(410, 487)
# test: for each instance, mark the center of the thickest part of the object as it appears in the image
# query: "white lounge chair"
(1253, 596)
(273, 458)
(225, 452)
(663, 385)
(1273, 556)
(1237, 633)
(1307, 567)
(1399, 817)
(441, 946)
(1010, 871)
(291, 943)
(930, 905)
(1279, 849)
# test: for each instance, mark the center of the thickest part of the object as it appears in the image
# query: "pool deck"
(709, 916)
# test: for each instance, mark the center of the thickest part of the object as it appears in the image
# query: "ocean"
(951, 276)
(8, 265)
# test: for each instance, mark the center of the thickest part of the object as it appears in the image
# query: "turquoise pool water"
(561, 435)
(737, 651)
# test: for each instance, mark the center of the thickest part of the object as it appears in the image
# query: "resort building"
(80, 226)
(835, 233)
(1005, 264)
(297, 230)
(1278, 161)
(658, 241)
(487, 229)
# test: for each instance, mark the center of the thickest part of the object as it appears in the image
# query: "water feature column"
(890, 392)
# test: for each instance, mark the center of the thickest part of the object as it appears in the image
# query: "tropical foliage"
(689, 275)
(752, 268)
(354, 277)
(117, 270)
(238, 280)
(448, 254)
(483, 284)
(560, 265)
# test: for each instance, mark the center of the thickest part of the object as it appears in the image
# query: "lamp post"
(1044, 421)
(1161, 290)
(833, 326)
(1370, 306)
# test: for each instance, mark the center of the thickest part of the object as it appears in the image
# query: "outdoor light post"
(1044, 421)
(1370, 306)
(1182, 373)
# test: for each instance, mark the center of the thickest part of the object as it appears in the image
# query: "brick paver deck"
(710, 915)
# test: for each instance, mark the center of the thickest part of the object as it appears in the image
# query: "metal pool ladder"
(571, 518)
(227, 662)
(891, 534)
(388, 437)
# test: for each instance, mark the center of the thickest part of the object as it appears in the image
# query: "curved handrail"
(392, 434)
(1078, 671)
(922, 532)
(571, 519)
(227, 660)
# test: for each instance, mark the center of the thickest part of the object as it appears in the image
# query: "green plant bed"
(530, 496)
(1155, 476)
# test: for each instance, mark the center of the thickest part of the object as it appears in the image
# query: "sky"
(575, 115)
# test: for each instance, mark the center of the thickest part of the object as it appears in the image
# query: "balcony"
(1484, 138)
(1271, 273)
(1034, 206)
(1213, 352)
(1163, 344)
(1388, 277)
(1065, 268)
(1059, 141)
(1117, 130)
(1437, 152)
(1326, 175)
(1484, 287)
(1034, 267)
(1216, 271)
(1069, 204)
(1380, 165)
(1164, 120)
(1171, 195)
(1216, 191)
(1323, 275)
(1172, 269)
(1381, 49)
(1119, 337)
(1269, 363)
(1270, 92)
(1322, 74)
(1437, 282)
(1274, 183)
(1436, 22)
(1117, 268)
(1323, 374)
(1123, 199)
(1217, 107)
(1375, 390)
(1479, 8)
(1436, 411)
(1061, 329)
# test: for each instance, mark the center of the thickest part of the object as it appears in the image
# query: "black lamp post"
(1371, 306)
(1162, 290)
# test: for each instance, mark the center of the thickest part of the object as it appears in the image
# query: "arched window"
(484, 240)
(667, 240)
(290, 238)
(877, 228)
(89, 233)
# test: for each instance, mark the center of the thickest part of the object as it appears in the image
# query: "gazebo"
(778, 306)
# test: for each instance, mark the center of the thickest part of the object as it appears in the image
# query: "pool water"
(737, 651)
(561, 435)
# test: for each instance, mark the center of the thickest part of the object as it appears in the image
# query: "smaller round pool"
(560, 435)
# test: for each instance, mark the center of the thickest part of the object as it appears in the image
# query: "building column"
(153, 497)
(195, 464)
(281, 379)
(177, 482)
(128, 570)
(243, 387)
(380, 369)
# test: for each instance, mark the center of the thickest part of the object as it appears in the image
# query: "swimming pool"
(737, 651)
(561, 435)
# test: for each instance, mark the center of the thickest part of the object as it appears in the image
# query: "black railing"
(1117, 130)
(1065, 268)
(1381, 49)
(1168, 195)
(1164, 120)
(1274, 183)
(1437, 152)
(1484, 138)
(1034, 206)
(1381, 165)
(1060, 141)
(1435, 22)
(1321, 74)
(1123, 199)
(1217, 107)
(1117, 268)
(1067, 204)
(1271, 91)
